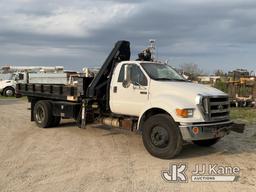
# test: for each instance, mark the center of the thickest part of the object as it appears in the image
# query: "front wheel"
(9, 92)
(207, 142)
(161, 136)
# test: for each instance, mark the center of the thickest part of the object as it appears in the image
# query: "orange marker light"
(182, 112)
(195, 130)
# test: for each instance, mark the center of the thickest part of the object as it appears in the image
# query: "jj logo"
(176, 173)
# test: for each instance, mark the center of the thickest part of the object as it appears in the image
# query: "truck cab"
(146, 89)
(139, 86)
(7, 87)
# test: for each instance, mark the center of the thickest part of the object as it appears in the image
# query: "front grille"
(216, 108)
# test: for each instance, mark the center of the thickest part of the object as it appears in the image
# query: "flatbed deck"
(55, 91)
(51, 91)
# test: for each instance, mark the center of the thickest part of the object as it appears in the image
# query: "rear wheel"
(207, 142)
(9, 92)
(43, 114)
(161, 136)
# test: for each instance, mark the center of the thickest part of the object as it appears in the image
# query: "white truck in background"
(30, 74)
(7, 87)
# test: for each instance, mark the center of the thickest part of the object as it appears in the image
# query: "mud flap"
(238, 127)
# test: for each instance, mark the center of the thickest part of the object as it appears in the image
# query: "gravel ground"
(99, 159)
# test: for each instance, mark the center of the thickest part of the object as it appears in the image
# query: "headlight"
(184, 113)
(203, 103)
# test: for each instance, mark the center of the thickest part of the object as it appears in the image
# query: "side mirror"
(126, 84)
(127, 76)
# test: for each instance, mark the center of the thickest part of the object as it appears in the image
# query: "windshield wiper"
(164, 79)
(179, 80)
(168, 79)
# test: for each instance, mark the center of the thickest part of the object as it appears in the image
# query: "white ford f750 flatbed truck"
(143, 96)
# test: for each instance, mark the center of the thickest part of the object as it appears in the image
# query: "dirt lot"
(98, 159)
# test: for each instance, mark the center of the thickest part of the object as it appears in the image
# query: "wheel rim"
(9, 92)
(40, 115)
(159, 137)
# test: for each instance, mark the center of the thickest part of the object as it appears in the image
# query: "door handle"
(115, 89)
(143, 92)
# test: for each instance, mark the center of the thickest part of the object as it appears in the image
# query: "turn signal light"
(184, 112)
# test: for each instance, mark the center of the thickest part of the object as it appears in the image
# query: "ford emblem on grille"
(220, 107)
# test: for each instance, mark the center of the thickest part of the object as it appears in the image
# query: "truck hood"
(6, 81)
(3, 83)
(184, 90)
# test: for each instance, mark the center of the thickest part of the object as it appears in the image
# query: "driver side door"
(129, 98)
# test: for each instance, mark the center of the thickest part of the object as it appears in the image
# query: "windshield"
(158, 71)
(5, 77)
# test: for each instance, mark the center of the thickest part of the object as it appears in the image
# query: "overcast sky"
(77, 33)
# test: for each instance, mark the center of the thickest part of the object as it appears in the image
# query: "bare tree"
(192, 70)
(219, 72)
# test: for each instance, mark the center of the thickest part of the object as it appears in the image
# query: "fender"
(169, 104)
(7, 83)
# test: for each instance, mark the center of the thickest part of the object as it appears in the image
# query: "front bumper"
(209, 130)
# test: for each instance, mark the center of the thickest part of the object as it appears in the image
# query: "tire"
(55, 121)
(207, 142)
(161, 136)
(9, 92)
(43, 114)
